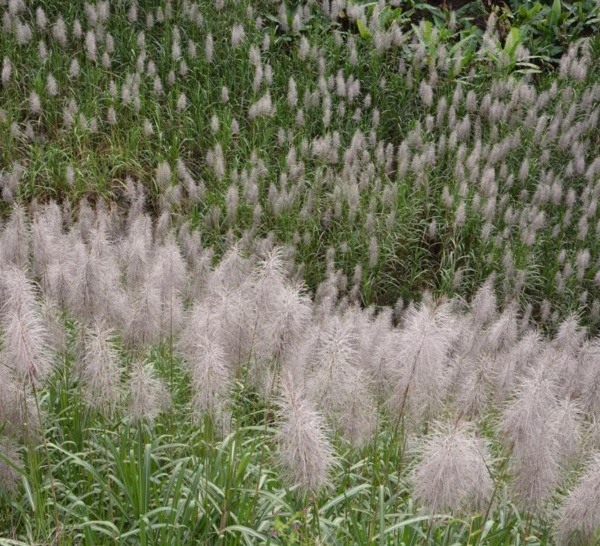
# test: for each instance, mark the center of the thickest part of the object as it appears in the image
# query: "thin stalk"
(494, 491)
(262, 449)
(317, 519)
(48, 461)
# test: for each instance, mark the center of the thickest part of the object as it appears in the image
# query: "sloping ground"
(264, 280)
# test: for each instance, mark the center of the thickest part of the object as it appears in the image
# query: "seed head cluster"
(205, 184)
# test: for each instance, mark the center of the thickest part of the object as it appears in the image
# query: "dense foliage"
(299, 272)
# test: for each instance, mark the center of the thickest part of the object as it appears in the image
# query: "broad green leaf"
(410, 521)
(363, 30)
(246, 531)
(512, 42)
(344, 496)
(554, 13)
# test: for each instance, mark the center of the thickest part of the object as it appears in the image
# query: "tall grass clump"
(483, 171)
(308, 273)
(266, 401)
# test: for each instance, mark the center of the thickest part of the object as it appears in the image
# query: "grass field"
(299, 273)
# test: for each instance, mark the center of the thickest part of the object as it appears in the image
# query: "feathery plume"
(169, 268)
(40, 18)
(231, 272)
(426, 93)
(95, 290)
(211, 380)
(376, 347)
(100, 369)
(148, 393)
(7, 389)
(578, 522)
(78, 29)
(209, 48)
(334, 369)
(74, 69)
(144, 325)
(268, 282)
(35, 103)
(170, 276)
(305, 453)
(510, 367)
(262, 107)
(359, 420)
(233, 312)
(292, 95)
(42, 50)
(18, 414)
(6, 71)
(50, 314)
(589, 358)
(24, 347)
(163, 175)
(182, 102)
(503, 332)
(453, 473)
(23, 32)
(336, 384)
(46, 231)
(51, 86)
(483, 305)
(286, 324)
(136, 249)
(59, 269)
(90, 45)
(238, 35)
(472, 383)
(568, 427)
(418, 367)
(529, 429)
(569, 336)
(15, 239)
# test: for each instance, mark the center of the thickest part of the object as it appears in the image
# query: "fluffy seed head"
(418, 367)
(182, 102)
(238, 35)
(100, 369)
(35, 103)
(144, 324)
(25, 340)
(15, 239)
(529, 427)
(6, 70)
(426, 93)
(453, 473)
(163, 175)
(40, 18)
(578, 521)
(211, 381)
(90, 45)
(149, 395)
(209, 50)
(305, 453)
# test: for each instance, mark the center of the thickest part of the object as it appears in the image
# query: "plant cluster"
(532, 35)
(263, 263)
(478, 408)
(307, 144)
